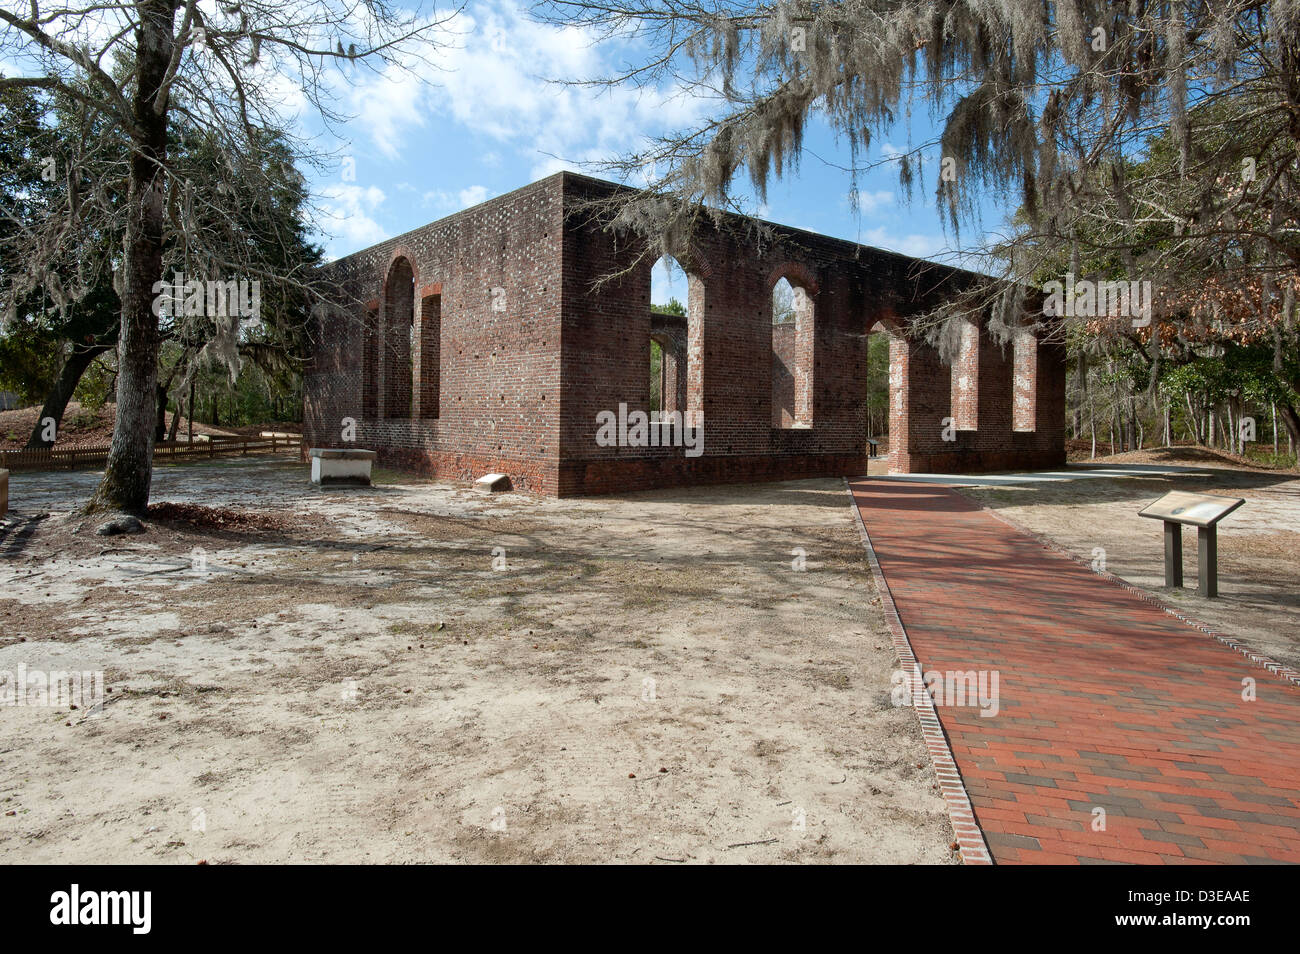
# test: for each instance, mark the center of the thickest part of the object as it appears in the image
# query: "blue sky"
(484, 122)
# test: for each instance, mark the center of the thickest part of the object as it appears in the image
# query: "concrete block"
(341, 466)
(492, 483)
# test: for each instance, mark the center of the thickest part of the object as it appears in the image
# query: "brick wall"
(490, 374)
(747, 413)
(521, 338)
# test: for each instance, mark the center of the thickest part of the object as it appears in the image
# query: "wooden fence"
(77, 458)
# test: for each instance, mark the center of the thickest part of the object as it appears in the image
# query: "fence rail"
(76, 458)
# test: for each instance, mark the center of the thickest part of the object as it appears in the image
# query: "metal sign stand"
(1204, 512)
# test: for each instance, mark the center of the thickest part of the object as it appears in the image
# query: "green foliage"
(674, 307)
(83, 419)
(1262, 454)
(253, 227)
(95, 388)
(878, 372)
(256, 396)
(30, 357)
(1243, 372)
(656, 365)
(877, 384)
(65, 281)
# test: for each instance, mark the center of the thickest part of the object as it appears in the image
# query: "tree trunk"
(190, 423)
(1291, 418)
(176, 422)
(56, 402)
(164, 388)
(160, 419)
(1092, 428)
(1116, 421)
(1085, 400)
(129, 471)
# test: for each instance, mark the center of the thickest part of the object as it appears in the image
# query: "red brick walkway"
(1106, 701)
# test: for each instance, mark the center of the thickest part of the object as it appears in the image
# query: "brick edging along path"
(970, 840)
(1121, 733)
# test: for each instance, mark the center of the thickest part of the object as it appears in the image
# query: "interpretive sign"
(1198, 510)
(1203, 511)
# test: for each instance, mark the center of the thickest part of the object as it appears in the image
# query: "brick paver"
(1105, 701)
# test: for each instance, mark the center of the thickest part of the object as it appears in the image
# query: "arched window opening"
(677, 341)
(370, 364)
(793, 348)
(399, 317)
(878, 391)
(428, 371)
(885, 396)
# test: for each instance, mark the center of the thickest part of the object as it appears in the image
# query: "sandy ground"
(1094, 515)
(648, 679)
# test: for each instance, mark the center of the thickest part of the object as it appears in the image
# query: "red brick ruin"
(492, 341)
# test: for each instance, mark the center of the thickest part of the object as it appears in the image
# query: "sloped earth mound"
(1079, 452)
(86, 427)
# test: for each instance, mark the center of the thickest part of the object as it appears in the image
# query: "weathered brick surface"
(456, 379)
(497, 389)
(966, 377)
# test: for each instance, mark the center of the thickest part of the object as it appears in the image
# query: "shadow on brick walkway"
(1104, 700)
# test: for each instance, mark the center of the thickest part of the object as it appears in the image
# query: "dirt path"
(647, 678)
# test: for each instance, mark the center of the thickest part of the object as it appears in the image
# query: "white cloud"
(347, 213)
(445, 203)
(388, 106)
(914, 243)
(667, 281)
(472, 196)
(485, 93)
(869, 202)
(496, 85)
(549, 165)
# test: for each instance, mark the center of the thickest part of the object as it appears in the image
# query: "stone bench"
(340, 466)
